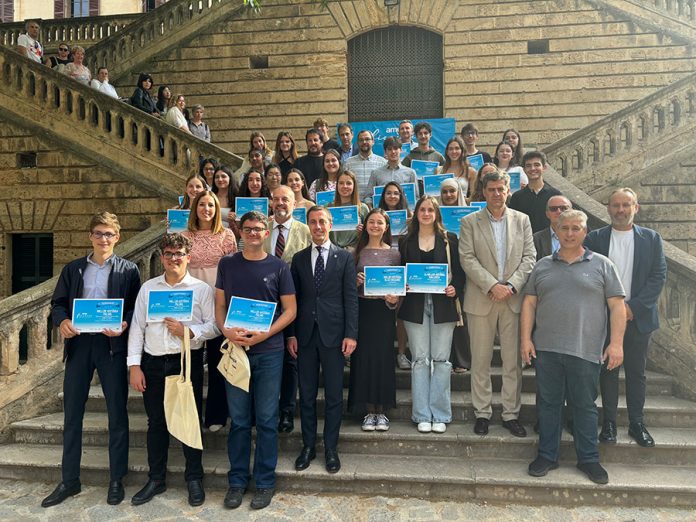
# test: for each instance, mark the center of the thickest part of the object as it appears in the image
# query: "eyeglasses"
(558, 208)
(174, 255)
(253, 230)
(106, 235)
(64, 49)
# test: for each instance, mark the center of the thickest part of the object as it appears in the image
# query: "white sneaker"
(382, 422)
(402, 362)
(369, 422)
(215, 427)
(425, 427)
(439, 427)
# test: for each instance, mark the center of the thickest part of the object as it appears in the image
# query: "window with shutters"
(58, 9)
(81, 8)
(393, 73)
(6, 11)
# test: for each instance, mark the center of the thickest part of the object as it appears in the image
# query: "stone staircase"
(457, 465)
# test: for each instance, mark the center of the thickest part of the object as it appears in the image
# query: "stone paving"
(19, 501)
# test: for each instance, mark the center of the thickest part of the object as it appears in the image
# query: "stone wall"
(597, 63)
(59, 196)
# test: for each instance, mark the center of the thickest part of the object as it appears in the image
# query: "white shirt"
(33, 47)
(176, 117)
(274, 233)
(154, 338)
(324, 253)
(499, 229)
(104, 87)
(621, 251)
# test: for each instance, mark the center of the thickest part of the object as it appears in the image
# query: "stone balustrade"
(31, 308)
(684, 10)
(157, 31)
(596, 155)
(76, 31)
(149, 150)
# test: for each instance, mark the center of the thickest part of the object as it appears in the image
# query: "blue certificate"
(478, 204)
(385, 280)
(178, 220)
(452, 216)
(244, 205)
(475, 161)
(431, 184)
(405, 149)
(326, 197)
(425, 168)
(426, 278)
(250, 314)
(177, 304)
(94, 315)
(344, 218)
(300, 214)
(181, 200)
(398, 221)
(515, 181)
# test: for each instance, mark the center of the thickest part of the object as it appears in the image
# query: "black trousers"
(155, 370)
(90, 352)
(309, 359)
(288, 387)
(216, 402)
(635, 347)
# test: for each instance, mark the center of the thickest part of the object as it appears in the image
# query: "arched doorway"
(395, 72)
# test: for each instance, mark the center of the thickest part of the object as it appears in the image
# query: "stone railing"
(158, 31)
(148, 151)
(76, 31)
(673, 349)
(628, 140)
(684, 10)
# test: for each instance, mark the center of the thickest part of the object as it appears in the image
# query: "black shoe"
(196, 495)
(262, 498)
(116, 493)
(608, 433)
(60, 494)
(595, 472)
(481, 426)
(541, 466)
(333, 463)
(515, 428)
(287, 422)
(640, 434)
(233, 497)
(307, 455)
(152, 488)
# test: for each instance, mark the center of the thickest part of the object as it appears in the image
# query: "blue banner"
(443, 130)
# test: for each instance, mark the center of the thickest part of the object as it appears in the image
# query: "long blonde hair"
(194, 225)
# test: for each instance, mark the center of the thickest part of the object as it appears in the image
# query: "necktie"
(280, 242)
(318, 270)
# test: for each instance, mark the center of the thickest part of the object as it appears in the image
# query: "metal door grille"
(395, 73)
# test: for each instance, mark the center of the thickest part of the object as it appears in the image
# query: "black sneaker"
(541, 466)
(262, 498)
(233, 498)
(595, 472)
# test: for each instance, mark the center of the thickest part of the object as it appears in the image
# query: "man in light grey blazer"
(288, 236)
(497, 253)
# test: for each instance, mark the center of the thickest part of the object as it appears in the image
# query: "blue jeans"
(264, 390)
(560, 377)
(431, 370)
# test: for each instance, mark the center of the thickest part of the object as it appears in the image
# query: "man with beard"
(364, 163)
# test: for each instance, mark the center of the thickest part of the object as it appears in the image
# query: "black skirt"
(372, 374)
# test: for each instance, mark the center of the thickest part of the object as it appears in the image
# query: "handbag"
(180, 409)
(234, 365)
(457, 304)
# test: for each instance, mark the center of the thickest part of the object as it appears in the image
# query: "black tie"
(318, 270)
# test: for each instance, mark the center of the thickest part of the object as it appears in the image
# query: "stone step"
(675, 446)
(424, 476)
(660, 411)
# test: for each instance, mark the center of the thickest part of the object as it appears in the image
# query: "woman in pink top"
(211, 241)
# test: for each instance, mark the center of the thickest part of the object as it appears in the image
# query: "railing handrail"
(105, 103)
(60, 26)
(662, 93)
(671, 11)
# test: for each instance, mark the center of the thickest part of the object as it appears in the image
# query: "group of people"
(522, 268)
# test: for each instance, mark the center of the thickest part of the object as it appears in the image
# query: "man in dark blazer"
(324, 333)
(546, 240)
(637, 253)
(100, 275)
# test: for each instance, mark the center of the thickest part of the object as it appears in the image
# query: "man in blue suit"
(637, 253)
(324, 333)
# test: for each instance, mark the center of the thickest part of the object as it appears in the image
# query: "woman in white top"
(175, 115)
(456, 163)
(329, 176)
(76, 69)
(296, 182)
(504, 159)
